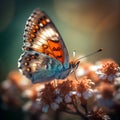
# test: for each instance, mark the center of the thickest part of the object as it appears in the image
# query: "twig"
(77, 113)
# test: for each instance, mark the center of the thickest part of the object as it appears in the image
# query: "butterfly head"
(74, 64)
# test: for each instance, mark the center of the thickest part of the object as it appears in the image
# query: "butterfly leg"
(75, 75)
(55, 83)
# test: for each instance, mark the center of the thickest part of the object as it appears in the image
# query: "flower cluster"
(92, 94)
(66, 92)
(109, 70)
(106, 70)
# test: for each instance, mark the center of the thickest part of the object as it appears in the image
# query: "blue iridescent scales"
(45, 55)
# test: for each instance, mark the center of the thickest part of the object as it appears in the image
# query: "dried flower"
(94, 86)
(66, 92)
(98, 114)
(19, 80)
(108, 70)
(33, 91)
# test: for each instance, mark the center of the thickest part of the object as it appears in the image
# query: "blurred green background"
(85, 25)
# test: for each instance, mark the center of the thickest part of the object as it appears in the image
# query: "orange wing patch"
(56, 49)
(41, 36)
(52, 49)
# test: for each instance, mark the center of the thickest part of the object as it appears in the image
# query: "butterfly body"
(45, 55)
(40, 67)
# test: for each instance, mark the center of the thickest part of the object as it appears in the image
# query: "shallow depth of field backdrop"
(84, 25)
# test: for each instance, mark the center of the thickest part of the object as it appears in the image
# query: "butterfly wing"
(39, 67)
(45, 55)
(42, 36)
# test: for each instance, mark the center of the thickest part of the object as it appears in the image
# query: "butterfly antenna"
(78, 59)
(97, 51)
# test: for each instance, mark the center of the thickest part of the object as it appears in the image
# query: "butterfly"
(45, 55)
